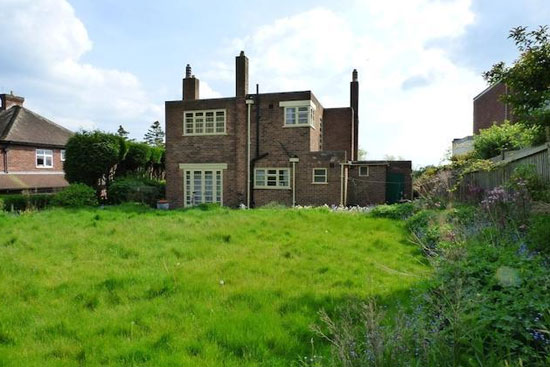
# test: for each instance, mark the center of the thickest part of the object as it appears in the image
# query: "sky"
(98, 64)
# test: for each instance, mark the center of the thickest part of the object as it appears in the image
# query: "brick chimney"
(9, 100)
(241, 75)
(354, 103)
(190, 88)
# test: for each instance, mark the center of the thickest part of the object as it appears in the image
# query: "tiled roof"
(20, 125)
(12, 181)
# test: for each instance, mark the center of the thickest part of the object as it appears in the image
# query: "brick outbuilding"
(257, 148)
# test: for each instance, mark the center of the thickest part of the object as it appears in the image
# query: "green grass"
(129, 286)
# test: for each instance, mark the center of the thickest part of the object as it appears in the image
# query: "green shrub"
(135, 189)
(526, 175)
(538, 235)
(91, 156)
(75, 195)
(394, 211)
(22, 202)
(137, 157)
(493, 141)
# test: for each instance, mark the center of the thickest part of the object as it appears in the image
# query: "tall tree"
(155, 135)
(528, 77)
(122, 132)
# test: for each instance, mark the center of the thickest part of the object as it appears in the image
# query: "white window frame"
(295, 106)
(192, 119)
(62, 155)
(44, 154)
(215, 168)
(364, 167)
(276, 176)
(314, 175)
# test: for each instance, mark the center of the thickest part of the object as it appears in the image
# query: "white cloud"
(43, 42)
(388, 43)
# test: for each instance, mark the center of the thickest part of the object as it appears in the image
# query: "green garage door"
(395, 187)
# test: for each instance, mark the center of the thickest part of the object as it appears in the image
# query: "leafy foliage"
(394, 211)
(498, 138)
(136, 189)
(538, 236)
(155, 135)
(137, 157)
(22, 202)
(91, 157)
(122, 132)
(487, 304)
(528, 77)
(75, 196)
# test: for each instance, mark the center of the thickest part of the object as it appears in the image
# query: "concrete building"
(257, 148)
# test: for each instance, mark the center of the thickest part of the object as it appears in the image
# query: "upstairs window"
(62, 155)
(298, 113)
(272, 178)
(208, 122)
(44, 158)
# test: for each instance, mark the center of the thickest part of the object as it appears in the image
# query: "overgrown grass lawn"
(130, 286)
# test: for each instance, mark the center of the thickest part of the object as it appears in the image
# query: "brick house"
(489, 110)
(254, 149)
(31, 149)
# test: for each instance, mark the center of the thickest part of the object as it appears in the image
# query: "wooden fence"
(538, 157)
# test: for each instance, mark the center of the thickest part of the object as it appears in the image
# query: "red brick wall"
(367, 190)
(488, 109)
(205, 149)
(23, 158)
(338, 130)
(307, 193)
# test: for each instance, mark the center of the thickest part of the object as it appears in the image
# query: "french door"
(203, 186)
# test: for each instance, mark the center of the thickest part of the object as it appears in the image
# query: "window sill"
(47, 167)
(270, 188)
(215, 134)
(319, 183)
(300, 125)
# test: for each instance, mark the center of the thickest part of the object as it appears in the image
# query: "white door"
(203, 186)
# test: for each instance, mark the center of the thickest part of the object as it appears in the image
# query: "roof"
(12, 181)
(20, 125)
(487, 90)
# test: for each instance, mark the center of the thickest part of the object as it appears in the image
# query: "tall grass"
(130, 286)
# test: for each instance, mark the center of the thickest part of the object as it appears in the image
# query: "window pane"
(208, 187)
(290, 115)
(48, 161)
(197, 187)
(220, 122)
(283, 178)
(218, 187)
(303, 113)
(40, 160)
(260, 177)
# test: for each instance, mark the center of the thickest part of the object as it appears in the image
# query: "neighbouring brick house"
(489, 110)
(254, 149)
(31, 149)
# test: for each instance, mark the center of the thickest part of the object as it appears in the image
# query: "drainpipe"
(5, 158)
(342, 184)
(249, 103)
(294, 161)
